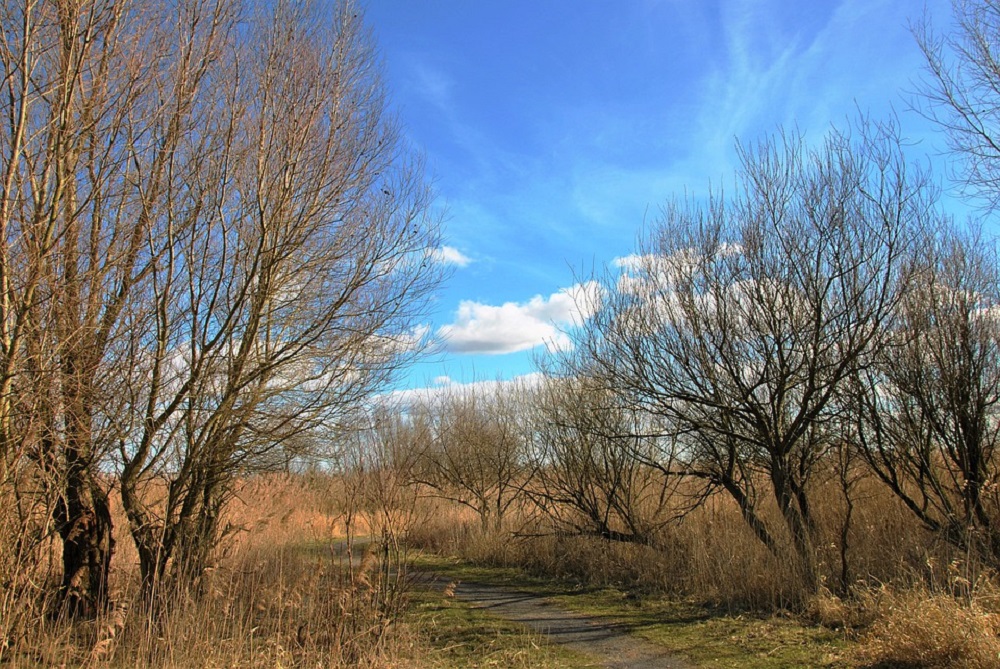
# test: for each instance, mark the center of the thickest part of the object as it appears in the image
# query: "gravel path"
(611, 646)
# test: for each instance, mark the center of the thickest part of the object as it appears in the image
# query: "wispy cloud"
(449, 255)
(762, 74)
(540, 173)
(804, 77)
(433, 85)
(753, 88)
(512, 326)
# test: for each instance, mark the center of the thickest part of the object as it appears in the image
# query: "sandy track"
(610, 646)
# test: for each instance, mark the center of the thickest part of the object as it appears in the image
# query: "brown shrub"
(711, 555)
(916, 628)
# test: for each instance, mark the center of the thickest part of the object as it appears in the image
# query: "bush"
(917, 628)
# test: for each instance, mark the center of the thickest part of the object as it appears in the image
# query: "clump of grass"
(917, 628)
(829, 610)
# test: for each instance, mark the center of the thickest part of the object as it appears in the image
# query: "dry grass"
(268, 609)
(28, 561)
(910, 599)
(917, 628)
(711, 554)
(284, 592)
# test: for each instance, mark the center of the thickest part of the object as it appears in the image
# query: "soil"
(609, 645)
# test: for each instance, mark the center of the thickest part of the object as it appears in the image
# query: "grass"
(454, 635)
(713, 639)
(284, 594)
(708, 638)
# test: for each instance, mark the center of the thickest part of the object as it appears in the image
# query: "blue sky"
(554, 129)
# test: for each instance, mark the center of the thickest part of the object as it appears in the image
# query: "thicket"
(215, 246)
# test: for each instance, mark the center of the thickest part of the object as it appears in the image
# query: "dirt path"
(611, 646)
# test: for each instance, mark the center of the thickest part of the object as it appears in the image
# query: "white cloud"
(449, 255)
(657, 272)
(445, 387)
(631, 263)
(513, 326)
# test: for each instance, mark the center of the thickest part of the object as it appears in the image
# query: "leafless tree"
(375, 463)
(928, 421)
(740, 321)
(298, 264)
(926, 418)
(602, 469)
(214, 240)
(961, 94)
(95, 102)
(478, 456)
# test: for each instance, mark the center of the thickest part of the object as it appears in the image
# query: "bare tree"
(479, 453)
(94, 123)
(214, 240)
(740, 321)
(926, 417)
(961, 92)
(298, 262)
(602, 469)
(928, 410)
(374, 466)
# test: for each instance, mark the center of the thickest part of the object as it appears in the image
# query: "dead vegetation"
(913, 601)
(289, 587)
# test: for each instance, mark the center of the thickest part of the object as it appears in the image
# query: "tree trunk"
(789, 497)
(750, 515)
(147, 536)
(84, 523)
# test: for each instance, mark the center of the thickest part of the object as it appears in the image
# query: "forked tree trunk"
(175, 555)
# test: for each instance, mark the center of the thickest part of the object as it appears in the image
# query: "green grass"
(708, 638)
(713, 639)
(449, 634)
(453, 635)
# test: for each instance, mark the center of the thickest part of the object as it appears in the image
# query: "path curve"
(610, 645)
